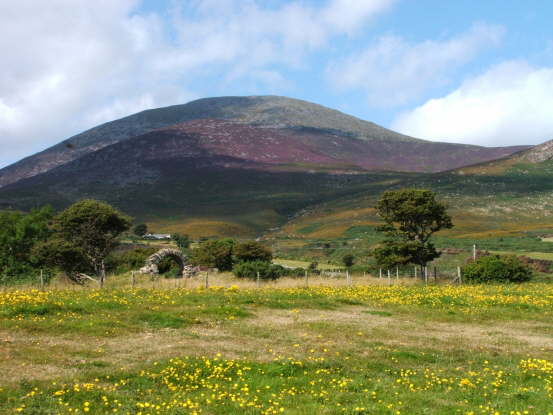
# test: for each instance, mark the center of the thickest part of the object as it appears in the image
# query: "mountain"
(234, 165)
(345, 138)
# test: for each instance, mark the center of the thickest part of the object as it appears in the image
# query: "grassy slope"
(366, 350)
(505, 211)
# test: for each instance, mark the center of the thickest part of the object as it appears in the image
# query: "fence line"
(337, 278)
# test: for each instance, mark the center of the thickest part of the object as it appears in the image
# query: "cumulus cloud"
(393, 71)
(70, 64)
(508, 104)
(67, 65)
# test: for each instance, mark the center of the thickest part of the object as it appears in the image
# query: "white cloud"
(393, 71)
(70, 64)
(511, 103)
(244, 29)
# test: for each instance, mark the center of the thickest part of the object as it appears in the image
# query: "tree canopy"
(19, 232)
(411, 217)
(84, 235)
(252, 251)
(140, 230)
(216, 254)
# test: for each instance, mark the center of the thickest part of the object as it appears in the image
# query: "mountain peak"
(378, 147)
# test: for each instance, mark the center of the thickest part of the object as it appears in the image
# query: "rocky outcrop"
(540, 153)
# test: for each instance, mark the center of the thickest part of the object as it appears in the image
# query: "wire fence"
(209, 279)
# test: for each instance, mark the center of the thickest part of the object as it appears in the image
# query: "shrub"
(123, 261)
(140, 230)
(267, 271)
(252, 251)
(495, 268)
(215, 254)
(182, 241)
(348, 260)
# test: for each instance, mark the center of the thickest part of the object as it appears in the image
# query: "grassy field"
(367, 349)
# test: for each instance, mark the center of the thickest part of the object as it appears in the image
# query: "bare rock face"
(540, 153)
(151, 265)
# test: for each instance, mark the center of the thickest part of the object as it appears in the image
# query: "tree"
(60, 254)
(19, 232)
(140, 230)
(348, 260)
(92, 228)
(216, 254)
(411, 217)
(182, 241)
(252, 251)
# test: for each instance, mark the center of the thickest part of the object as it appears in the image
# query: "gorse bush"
(495, 268)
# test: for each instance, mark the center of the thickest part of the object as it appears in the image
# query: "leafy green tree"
(348, 260)
(92, 228)
(411, 217)
(182, 241)
(19, 232)
(216, 254)
(252, 251)
(495, 268)
(140, 230)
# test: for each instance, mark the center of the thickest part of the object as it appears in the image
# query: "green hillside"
(507, 209)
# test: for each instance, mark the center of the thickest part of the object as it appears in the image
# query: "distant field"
(535, 255)
(367, 349)
(303, 264)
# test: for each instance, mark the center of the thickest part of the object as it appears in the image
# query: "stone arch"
(151, 265)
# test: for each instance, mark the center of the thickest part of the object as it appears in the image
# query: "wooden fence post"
(426, 275)
(41, 281)
(389, 278)
(415, 272)
(132, 279)
(258, 279)
(397, 274)
(459, 275)
(206, 280)
(380, 273)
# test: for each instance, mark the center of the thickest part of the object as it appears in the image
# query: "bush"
(140, 230)
(267, 271)
(124, 261)
(214, 254)
(495, 268)
(252, 251)
(348, 260)
(182, 241)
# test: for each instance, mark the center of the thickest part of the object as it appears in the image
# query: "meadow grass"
(366, 349)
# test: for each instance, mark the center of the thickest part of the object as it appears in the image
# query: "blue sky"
(477, 72)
